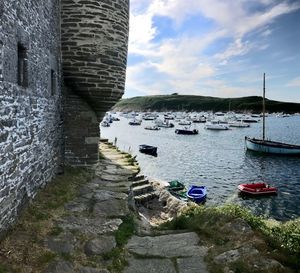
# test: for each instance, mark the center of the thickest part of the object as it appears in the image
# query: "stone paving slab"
(112, 177)
(150, 266)
(59, 267)
(104, 195)
(169, 246)
(89, 226)
(111, 208)
(191, 265)
(100, 245)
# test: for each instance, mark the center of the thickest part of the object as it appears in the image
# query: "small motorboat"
(257, 189)
(105, 124)
(239, 124)
(164, 124)
(147, 149)
(197, 193)
(216, 125)
(135, 122)
(175, 185)
(184, 122)
(153, 128)
(186, 131)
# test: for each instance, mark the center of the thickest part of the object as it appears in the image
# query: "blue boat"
(197, 193)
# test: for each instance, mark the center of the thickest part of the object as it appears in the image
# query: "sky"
(217, 48)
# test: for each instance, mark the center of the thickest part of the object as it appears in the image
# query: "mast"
(264, 108)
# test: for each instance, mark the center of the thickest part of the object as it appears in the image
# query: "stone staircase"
(142, 191)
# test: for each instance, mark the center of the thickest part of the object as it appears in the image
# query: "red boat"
(257, 189)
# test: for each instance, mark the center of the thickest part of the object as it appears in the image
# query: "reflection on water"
(218, 159)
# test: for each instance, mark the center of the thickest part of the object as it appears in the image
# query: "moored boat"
(197, 193)
(164, 124)
(238, 124)
(269, 146)
(257, 189)
(135, 122)
(216, 125)
(184, 122)
(153, 128)
(186, 131)
(175, 185)
(105, 124)
(147, 149)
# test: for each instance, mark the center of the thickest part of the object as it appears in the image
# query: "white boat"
(184, 122)
(135, 122)
(271, 147)
(268, 146)
(164, 124)
(216, 125)
(104, 123)
(153, 128)
(238, 124)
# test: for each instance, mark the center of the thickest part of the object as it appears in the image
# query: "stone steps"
(136, 178)
(142, 191)
(139, 190)
(139, 183)
(144, 198)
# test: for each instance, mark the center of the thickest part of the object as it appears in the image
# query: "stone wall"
(94, 49)
(30, 104)
(81, 132)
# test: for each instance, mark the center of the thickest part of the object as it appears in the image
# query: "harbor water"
(219, 160)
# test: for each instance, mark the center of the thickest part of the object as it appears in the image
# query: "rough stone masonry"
(62, 66)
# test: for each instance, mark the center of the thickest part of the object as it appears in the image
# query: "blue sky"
(214, 48)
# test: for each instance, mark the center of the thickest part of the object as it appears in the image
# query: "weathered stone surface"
(60, 267)
(94, 46)
(89, 226)
(238, 226)
(61, 245)
(92, 270)
(78, 205)
(235, 254)
(150, 266)
(192, 265)
(267, 264)
(171, 245)
(100, 245)
(104, 195)
(30, 113)
(111, 208)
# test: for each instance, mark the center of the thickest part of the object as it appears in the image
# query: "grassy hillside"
(201, 103)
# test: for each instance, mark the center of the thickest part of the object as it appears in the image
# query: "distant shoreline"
(191, 103)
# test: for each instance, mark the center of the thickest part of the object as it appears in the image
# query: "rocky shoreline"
(111, 225)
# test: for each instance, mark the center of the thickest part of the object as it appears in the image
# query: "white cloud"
(294, 82)
(266, 33)
(179, 63)
(237, 48)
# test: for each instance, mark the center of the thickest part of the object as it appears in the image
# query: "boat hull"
(149, 150)
(186, 132)
(256, 189)
(271, 147)
(197, 193)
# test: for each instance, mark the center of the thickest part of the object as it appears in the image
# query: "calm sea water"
(219, 160)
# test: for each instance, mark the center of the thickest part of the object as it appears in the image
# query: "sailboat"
(268, 146)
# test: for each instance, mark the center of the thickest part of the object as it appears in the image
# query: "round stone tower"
(94, 37)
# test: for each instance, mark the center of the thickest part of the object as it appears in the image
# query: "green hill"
(201, 103)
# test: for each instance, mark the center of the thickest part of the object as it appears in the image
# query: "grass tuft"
(126, 230)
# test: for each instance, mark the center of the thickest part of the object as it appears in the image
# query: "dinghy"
(257, 189)
(197, 193)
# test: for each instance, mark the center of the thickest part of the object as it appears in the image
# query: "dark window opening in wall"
(53, 82)
(22, 66)
(1, 59)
